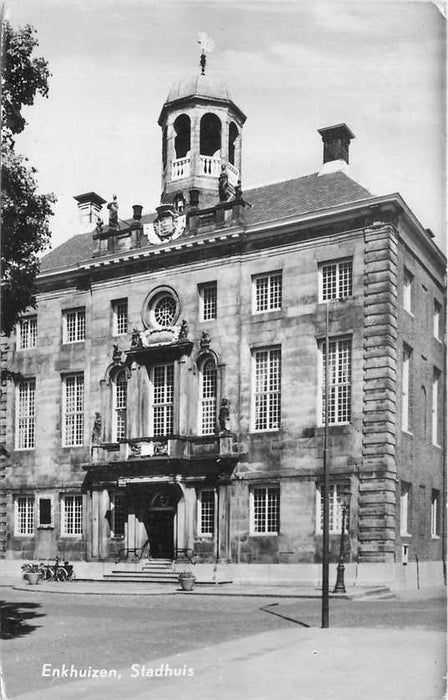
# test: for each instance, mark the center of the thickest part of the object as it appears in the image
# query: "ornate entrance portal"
(160, 524)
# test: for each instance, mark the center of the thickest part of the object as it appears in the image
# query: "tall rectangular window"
(435, 406)
(120, 317)
(266, 382)
(27, 333)
(26, 415)
(336, 280)
(208, 297)
(74, 325)
(73, 410)
(406, 389)
(339, 380)
(206, 512)
(267, 292)
(437, 317)
(72, 515)
(120, 385)
(405, 508)
(163, 394)
(24, 515)
(119, 514)
(435, 513)
(407, 290)
(207, 408)
(335, 506)
(265, 510)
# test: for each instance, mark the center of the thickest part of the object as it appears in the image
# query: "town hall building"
(169, 391)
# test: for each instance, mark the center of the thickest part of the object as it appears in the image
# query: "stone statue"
(205, 340)
(238, 190)
(99, 224)
(224, 415)
(116, 355)
(183, 329)
(96, 431)
(136, 341)
(113, 212)
(223, 185)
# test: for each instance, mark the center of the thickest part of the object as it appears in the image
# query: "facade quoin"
(168, 392)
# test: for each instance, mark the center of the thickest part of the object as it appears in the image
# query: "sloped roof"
(279, 200)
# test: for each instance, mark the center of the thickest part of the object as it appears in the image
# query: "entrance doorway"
(159, 524)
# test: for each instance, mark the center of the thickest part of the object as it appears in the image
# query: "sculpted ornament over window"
(168, 225)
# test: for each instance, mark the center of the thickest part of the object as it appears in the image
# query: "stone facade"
(247, 489)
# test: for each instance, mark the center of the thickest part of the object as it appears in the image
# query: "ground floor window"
(435, 513)
(24, 515)
(265, 510)
(71, 515)
(206, 512)
(119, 515)
(335, 496)
(405, 510)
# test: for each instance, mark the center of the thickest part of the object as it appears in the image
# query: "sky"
(292, 67)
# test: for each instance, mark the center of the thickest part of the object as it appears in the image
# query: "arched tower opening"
(182, 139)
(233, 143)
(210, 136)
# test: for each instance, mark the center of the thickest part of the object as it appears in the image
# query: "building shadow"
(16, 619)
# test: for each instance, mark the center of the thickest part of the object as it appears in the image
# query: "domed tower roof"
(199, 86)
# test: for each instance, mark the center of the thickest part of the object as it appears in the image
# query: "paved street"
(233, 644)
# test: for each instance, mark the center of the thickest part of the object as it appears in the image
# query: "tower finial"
(206, 45)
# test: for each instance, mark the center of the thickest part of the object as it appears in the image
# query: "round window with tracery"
(165, 310)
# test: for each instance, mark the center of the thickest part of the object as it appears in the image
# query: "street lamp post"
(345, 503)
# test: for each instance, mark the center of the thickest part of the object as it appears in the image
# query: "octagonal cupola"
(201, 138)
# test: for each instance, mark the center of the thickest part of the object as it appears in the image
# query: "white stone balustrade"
(180, 168)
(233, 174)
(209, 166)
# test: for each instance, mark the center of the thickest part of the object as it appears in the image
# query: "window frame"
(119, 412)
(340, 395)
(168, 420)
(408, 279)
(210, 517)
(30, 335)
(79, 415)
(435, 514)
(435, 407)
(406, 389)
(405, 508)
(338, 284)
(64, 514)
(119, 495)
(80, 325)
(266, 532)
(211, 401)
(203, 290)
(117, 322)
(29, 418)
(437, 320)
(30, 509)
(270, 293)
(272, 404)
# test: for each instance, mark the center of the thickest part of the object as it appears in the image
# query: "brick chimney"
(336, 140)
(89, 207)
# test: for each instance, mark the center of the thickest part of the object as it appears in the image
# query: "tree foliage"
(25, 213)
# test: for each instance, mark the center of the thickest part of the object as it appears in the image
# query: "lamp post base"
(340, 585)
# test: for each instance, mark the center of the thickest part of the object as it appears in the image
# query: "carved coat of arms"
(168, 225)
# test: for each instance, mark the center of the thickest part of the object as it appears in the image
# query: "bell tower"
(201, 138)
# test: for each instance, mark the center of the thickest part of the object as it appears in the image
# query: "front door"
(160, 529)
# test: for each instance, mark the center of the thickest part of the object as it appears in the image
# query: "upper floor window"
(407, 290)
(339, 381)
(120, 316)
(436, 386)
(208, 377)
(335, 501)
(267, 292)
(406, 389)
(72, 515)
(26, 415)
(435, 513)
(266, 382)
(162, 399)
(24, 515)
(73, 410)
(265, 510)
(437, 318)
(120, 405)
(208, 301)
(74, 325)
(336, 280)
(206, 512)
(405, 509)
(27, 333)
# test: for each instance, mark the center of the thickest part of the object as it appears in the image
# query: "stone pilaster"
(378, 472)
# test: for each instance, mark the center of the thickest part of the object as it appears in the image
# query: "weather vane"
(207, 45)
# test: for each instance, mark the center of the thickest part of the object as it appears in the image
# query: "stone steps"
(151, 571)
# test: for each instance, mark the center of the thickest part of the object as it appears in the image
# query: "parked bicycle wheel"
(61, 574)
